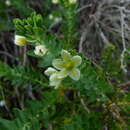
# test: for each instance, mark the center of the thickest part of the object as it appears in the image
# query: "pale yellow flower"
(20, 40)
(40, 50)
(68, 65)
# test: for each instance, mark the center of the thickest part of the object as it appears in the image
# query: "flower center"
(69, 66)
(41, 51)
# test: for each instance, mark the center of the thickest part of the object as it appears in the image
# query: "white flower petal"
(54, 80)
(65, 55)
(75, 74)
(58, 64)
(76, 60)
(63, 73)
(50, 71)
(54, 77)
(55, 83)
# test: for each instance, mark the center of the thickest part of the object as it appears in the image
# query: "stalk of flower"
(68, 65)
(20, 40)
(40, 50)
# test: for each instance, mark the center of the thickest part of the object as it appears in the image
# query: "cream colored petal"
(76, 60)
(63, 73)
(58, 64)
(55, 84)
(50, 71)
(54, 80)
(65, 55)
(53, 77)
(75, 74)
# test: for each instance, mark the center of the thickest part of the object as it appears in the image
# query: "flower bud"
(20, 40)
(40, 50)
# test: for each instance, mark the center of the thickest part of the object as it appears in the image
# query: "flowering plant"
(50, 84)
